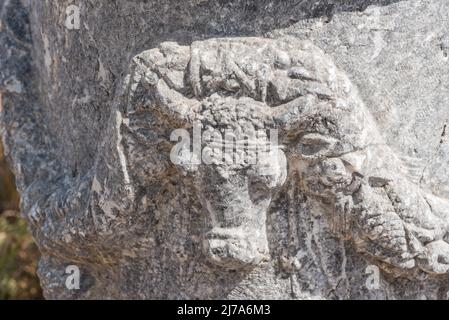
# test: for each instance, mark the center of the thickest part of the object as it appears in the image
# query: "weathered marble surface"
(358, 93)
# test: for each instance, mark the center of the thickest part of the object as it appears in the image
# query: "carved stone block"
(248, 161)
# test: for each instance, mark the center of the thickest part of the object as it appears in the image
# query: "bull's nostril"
(218, 251)
(236, 247)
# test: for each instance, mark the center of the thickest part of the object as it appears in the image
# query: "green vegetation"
(18, 252)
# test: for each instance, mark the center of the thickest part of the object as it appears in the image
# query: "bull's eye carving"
(316, 145)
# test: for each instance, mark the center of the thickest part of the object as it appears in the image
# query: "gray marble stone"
(334, 185)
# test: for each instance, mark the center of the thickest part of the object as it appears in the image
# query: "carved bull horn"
(158, 90)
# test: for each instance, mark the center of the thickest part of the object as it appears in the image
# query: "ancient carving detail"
(327, 139)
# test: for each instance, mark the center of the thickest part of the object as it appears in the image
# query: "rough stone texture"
(358, 93)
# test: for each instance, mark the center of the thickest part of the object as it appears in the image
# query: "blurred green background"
(18, 252)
